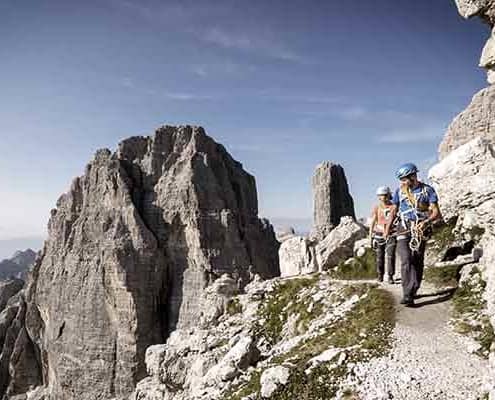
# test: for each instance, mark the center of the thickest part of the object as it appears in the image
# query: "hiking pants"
(412, 266)
(385, 257)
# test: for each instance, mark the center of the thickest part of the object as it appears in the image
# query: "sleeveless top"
(383, 217)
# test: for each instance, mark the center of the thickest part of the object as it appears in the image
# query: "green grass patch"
(252, 386)
(369, 325)
(443, 236)
(447, 276)
(358, 268)
(367, 328)
(283, 302)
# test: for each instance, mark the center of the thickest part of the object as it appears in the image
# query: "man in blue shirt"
(416, 205)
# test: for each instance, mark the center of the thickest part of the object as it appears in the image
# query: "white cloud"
(411, 136)
(188, 96)
(263, 44)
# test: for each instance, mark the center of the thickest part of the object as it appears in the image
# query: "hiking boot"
(390, 280)
(380, 278)
(409, 302)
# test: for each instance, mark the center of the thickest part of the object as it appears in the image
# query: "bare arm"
(435, 213)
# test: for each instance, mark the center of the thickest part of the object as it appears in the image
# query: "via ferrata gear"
(417, 237)
(383, 190)
(406, 170)
(417, 233)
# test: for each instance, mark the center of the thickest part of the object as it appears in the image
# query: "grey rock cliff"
(19, 370)
(464, 178)
(477, 120)
(332, 199)
(132, 248)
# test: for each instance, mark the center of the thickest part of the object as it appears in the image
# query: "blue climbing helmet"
(406, 170)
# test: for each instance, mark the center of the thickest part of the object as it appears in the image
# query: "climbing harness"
(415, 229)
(417, 237)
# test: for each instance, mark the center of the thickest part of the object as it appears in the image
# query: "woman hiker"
(384, 247)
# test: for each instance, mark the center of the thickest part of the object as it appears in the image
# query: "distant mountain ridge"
(18, 265)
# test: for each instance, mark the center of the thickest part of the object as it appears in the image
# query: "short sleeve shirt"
(424, 196)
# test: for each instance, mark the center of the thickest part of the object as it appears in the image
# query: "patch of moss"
(476, 232)
(358, 268)
(234, 307)
(368, 327)
(443, 235)
(283, 302)
(243, 390)
(469, 312)
(447, 276)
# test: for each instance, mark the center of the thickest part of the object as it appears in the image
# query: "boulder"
(297, 256)
(272, 379)
(338, 245)
(332, 199)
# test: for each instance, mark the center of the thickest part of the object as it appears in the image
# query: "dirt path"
(428, 360)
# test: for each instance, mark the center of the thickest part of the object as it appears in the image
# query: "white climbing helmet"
(383, 190)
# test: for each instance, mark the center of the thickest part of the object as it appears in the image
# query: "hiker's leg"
(419, 264)
(406, 268)
(390, 256)
(380, 260)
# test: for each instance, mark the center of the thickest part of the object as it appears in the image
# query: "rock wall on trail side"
(465, 175)
(131, 249)
(477, 120)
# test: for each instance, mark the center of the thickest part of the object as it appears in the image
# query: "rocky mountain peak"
(332, 199)
(132, 248)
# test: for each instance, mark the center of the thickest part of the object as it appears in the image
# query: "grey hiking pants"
(411, 266)
(385, 257)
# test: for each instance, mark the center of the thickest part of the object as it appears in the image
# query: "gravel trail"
(427, 360)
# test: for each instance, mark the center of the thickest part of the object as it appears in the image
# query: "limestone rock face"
(8, 289)
(339, 244)
(332, 199)
(465, 179)
(297, 257)
(485, 9)
(477, 120)
(19, 368)
(131, 249)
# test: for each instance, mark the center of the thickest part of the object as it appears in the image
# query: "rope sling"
(416, 230)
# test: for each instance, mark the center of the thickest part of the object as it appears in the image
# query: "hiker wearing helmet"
(385, 248)
(416, 204)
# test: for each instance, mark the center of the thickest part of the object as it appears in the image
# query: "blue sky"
(283, 85)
